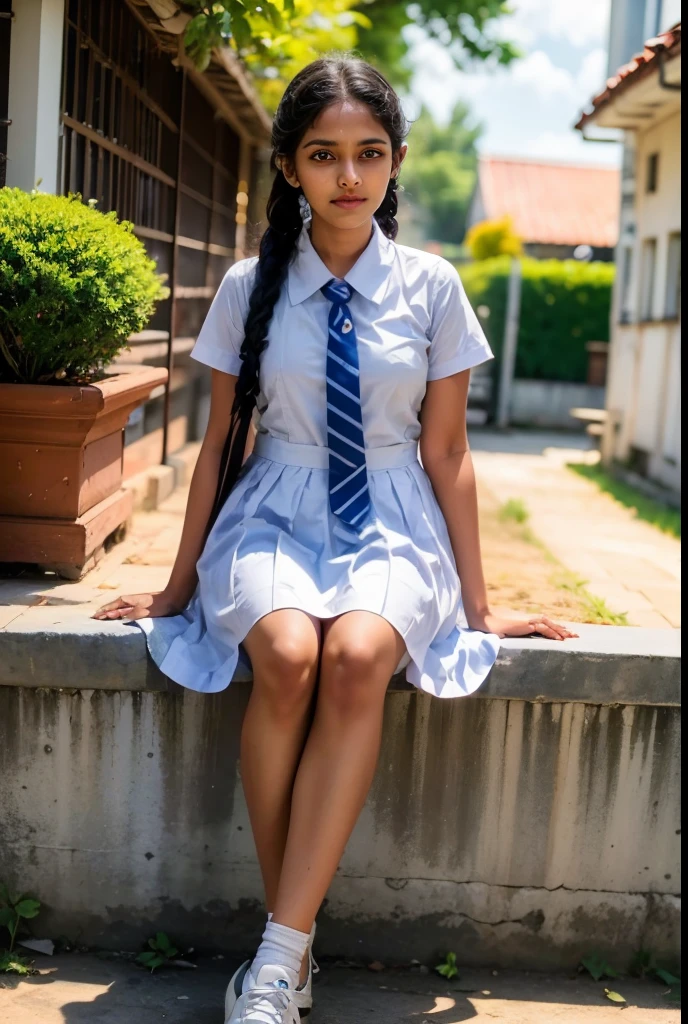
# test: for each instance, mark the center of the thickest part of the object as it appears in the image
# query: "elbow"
(436, 458)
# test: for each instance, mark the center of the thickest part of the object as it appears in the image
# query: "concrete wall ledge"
(608, 665)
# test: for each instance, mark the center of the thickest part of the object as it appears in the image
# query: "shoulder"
(437, 272)
(240, 276)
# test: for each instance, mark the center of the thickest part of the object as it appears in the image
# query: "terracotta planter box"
(61, 465)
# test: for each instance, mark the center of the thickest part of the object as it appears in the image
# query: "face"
(343, 164)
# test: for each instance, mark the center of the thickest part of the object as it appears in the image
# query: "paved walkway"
(634, 566)
(86, 989)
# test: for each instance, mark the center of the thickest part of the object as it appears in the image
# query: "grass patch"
(596, 608)
(654, 512)
(514, 511)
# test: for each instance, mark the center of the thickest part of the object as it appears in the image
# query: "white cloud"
(530, 106)
(581, 22)
(537, 71)
(568, 146)
(591, 75)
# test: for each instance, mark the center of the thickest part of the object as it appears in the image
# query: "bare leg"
(360, 651)
(284, 649)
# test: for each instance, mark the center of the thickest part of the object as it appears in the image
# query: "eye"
(321, 155)
(371, 153)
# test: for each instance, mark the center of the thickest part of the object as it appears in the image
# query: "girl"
(326, 549)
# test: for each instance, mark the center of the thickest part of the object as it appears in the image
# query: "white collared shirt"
(413, 324)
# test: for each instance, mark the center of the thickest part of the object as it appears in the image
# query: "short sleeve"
(220, 338)
(457, 341)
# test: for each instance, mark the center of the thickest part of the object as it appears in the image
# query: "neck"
(339, 248)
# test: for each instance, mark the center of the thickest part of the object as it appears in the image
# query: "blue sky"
(527, 109)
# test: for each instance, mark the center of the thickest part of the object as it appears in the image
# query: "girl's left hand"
(537, 624)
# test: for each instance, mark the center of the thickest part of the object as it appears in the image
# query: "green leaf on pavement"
(615, 997)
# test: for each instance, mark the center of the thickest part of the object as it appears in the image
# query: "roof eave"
(641, 97)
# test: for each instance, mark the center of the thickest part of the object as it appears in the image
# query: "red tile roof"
(642, 64)
(553, 203)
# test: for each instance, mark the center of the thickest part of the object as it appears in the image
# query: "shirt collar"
(368, 276)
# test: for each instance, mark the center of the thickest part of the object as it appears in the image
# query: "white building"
(643, 99)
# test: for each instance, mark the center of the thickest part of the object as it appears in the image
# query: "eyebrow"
(331, 142)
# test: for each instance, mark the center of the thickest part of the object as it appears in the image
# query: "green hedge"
(74, 284)
(564, 304)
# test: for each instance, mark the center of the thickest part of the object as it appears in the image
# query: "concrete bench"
(522, 826)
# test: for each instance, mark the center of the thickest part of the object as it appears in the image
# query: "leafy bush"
(74, 284)
(564, 304)
(490, 238)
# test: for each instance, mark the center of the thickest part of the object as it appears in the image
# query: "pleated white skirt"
(276, 544)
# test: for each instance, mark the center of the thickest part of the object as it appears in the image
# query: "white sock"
(312, 934)
(281, 945)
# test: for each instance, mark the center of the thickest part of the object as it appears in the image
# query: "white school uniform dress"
(276, 543)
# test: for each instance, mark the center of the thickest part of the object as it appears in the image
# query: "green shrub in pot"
(75, 283)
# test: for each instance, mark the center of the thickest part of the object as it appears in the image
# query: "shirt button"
(346, 326)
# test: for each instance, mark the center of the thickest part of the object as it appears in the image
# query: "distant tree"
(464, 27)
(491, 238)
(439, 172)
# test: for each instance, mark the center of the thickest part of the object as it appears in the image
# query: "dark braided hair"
(325, 81)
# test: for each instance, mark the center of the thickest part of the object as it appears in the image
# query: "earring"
(305, 210)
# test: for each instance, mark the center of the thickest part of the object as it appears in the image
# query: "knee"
(286, 672)
(350, 676)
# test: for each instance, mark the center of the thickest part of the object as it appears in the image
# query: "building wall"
(643, 394)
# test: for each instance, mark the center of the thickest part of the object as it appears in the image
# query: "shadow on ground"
(101, 989)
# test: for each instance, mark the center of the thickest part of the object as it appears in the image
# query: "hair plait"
(323, 82)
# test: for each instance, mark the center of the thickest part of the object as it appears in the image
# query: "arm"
(447, 461)
(183, 578)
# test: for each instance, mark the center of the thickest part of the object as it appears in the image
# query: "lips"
(349, 202)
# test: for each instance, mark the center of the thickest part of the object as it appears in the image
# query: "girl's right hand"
(140, 606)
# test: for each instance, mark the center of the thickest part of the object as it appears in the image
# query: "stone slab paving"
(632, 565)
(78, 988)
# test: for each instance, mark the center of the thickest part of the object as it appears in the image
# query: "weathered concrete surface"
(515, 832)
(57, 647)
(85, 989)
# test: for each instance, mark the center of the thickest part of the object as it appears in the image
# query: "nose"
(348, 175)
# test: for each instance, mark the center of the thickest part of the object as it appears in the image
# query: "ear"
(287, 168)
(398, 159)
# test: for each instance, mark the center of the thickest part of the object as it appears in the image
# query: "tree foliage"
(276, 38)
(439, 172)
(490, 238)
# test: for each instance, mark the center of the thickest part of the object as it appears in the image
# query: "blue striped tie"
(349, 497)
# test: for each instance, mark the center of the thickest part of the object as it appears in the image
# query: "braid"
(324, 81)
(386, 212)
(276, 249)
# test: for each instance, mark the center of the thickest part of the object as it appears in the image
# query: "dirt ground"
(90, 989)
(521, 576)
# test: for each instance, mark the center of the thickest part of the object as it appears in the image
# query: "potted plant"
(74, 285)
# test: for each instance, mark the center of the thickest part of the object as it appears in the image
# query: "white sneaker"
(302, 994)
(268, 999)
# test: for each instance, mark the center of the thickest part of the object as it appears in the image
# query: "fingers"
(551, 630)
(127, 606)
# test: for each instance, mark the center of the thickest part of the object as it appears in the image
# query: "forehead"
(344, 120)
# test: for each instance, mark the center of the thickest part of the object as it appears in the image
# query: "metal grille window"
(647, 281)
(142, 138)
(652, 172)
(672, 305)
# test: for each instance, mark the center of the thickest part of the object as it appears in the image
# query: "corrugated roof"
(664, 47)
(553, 203)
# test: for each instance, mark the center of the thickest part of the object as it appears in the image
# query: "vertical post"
(513, 315)
(173, 276)
(34, 94)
